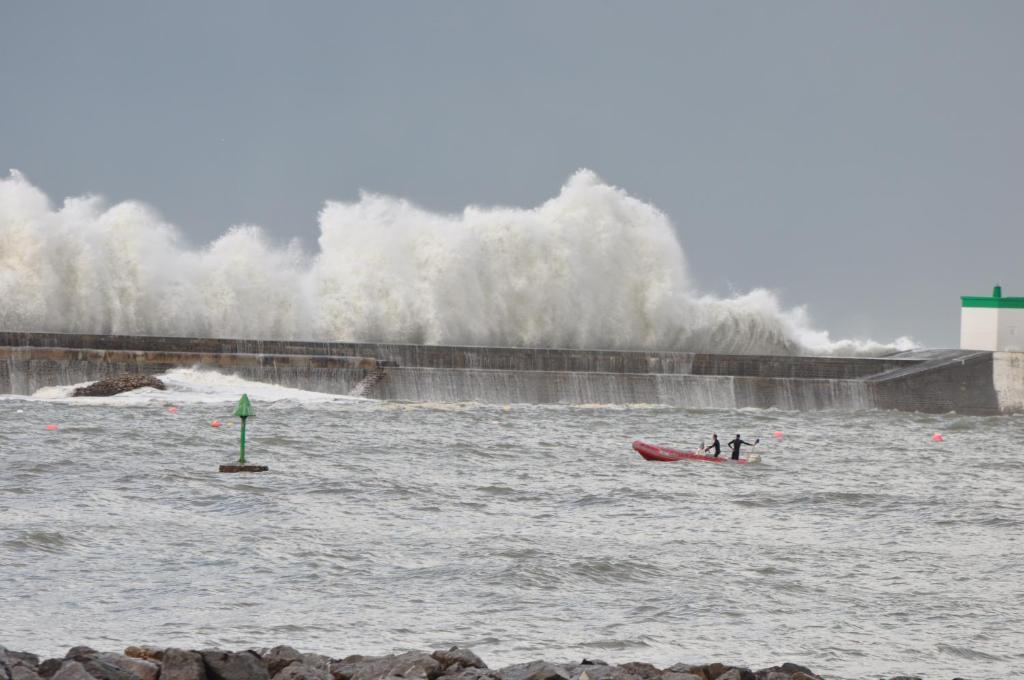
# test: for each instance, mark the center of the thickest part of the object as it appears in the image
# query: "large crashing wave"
(591, 268)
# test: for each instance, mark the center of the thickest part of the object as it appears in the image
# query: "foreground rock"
(287, 663)
(108, 387)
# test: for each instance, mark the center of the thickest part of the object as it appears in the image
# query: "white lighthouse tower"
(992, 323)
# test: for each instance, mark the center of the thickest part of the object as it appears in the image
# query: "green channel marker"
(243, 411)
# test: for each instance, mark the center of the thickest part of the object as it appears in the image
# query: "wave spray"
(591, 268)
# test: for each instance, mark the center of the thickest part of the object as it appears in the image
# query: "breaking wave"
(591, 268)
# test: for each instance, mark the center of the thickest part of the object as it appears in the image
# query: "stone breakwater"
(287, 663)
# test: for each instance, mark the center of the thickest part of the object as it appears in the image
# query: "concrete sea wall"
(928, 381)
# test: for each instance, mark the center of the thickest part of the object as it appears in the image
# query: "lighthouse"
(995, 324)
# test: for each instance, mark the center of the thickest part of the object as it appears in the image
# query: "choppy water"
(859, 547)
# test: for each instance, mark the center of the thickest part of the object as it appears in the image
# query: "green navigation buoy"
(243, 411)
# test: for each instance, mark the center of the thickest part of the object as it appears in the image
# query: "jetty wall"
(928, 381)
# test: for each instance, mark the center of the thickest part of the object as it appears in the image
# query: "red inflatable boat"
(665, 454)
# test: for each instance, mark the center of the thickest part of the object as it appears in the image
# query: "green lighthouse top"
(997, 301)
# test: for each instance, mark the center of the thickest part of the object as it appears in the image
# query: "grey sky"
(864, 158)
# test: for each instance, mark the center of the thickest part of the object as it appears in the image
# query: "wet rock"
(179, 664)
(534, 670)
(108, 387)
(787, 671)
(673, 675)
(221, 665)
(455, 659)
(411, 665)
(81, 653)
(139, 668)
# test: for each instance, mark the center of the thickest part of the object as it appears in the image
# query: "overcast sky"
(863, 158)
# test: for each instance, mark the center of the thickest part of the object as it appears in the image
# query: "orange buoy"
(938, 437)
(51, 427)
(215, 423)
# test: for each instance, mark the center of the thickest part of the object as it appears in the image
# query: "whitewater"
(590, 268)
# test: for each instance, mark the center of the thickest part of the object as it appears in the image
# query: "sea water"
(859, 546)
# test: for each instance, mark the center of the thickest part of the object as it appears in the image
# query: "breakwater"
(934, 381)
(287, 663)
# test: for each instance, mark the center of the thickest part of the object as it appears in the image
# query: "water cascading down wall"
(930, 381)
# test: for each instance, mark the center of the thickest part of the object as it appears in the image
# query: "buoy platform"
(244, 468)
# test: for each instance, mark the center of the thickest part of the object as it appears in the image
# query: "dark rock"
(221, 665)
(303, 671)
(593, 662)
(644, 670)
(534, 670)
(605, 672)
(20, 672)
(72, 670)
(280, 657)
(179, 664)
(455, 659)
(111, 386)
(13, 658)
(673, 675)
(793, 668)
(139, 668)
(411, 665)
(906, 677)
(472, 674)
(787, 671)
(81, 653)
(49, 668)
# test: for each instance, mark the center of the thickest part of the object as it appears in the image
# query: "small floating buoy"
(215, 423)
(51, 427)
(777, 434)
(938, 437)
(172, 409)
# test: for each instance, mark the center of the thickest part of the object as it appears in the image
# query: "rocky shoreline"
(287, 663)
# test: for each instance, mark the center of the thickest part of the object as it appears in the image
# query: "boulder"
(603, 672)
(108, 387)
(411, 665)
(303, 671)
(279, 658)
(145, 652)
(534, 670)
(673, 675)
(455, 659)
(644, 670)
(72, 670)
(786, 671)
(139, 668)
(221, 665)
(49, 668)
(179, 664)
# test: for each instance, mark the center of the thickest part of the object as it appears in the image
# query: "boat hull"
(664, 454)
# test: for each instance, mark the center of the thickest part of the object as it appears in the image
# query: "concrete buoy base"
(244, 468)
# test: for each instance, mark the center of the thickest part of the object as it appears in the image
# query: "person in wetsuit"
(735, 446)
(715, 444)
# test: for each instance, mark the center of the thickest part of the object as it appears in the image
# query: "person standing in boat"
(715, 444)
(735, 446)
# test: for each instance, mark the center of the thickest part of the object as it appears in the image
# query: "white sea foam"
(195, 386)
(592, 268)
